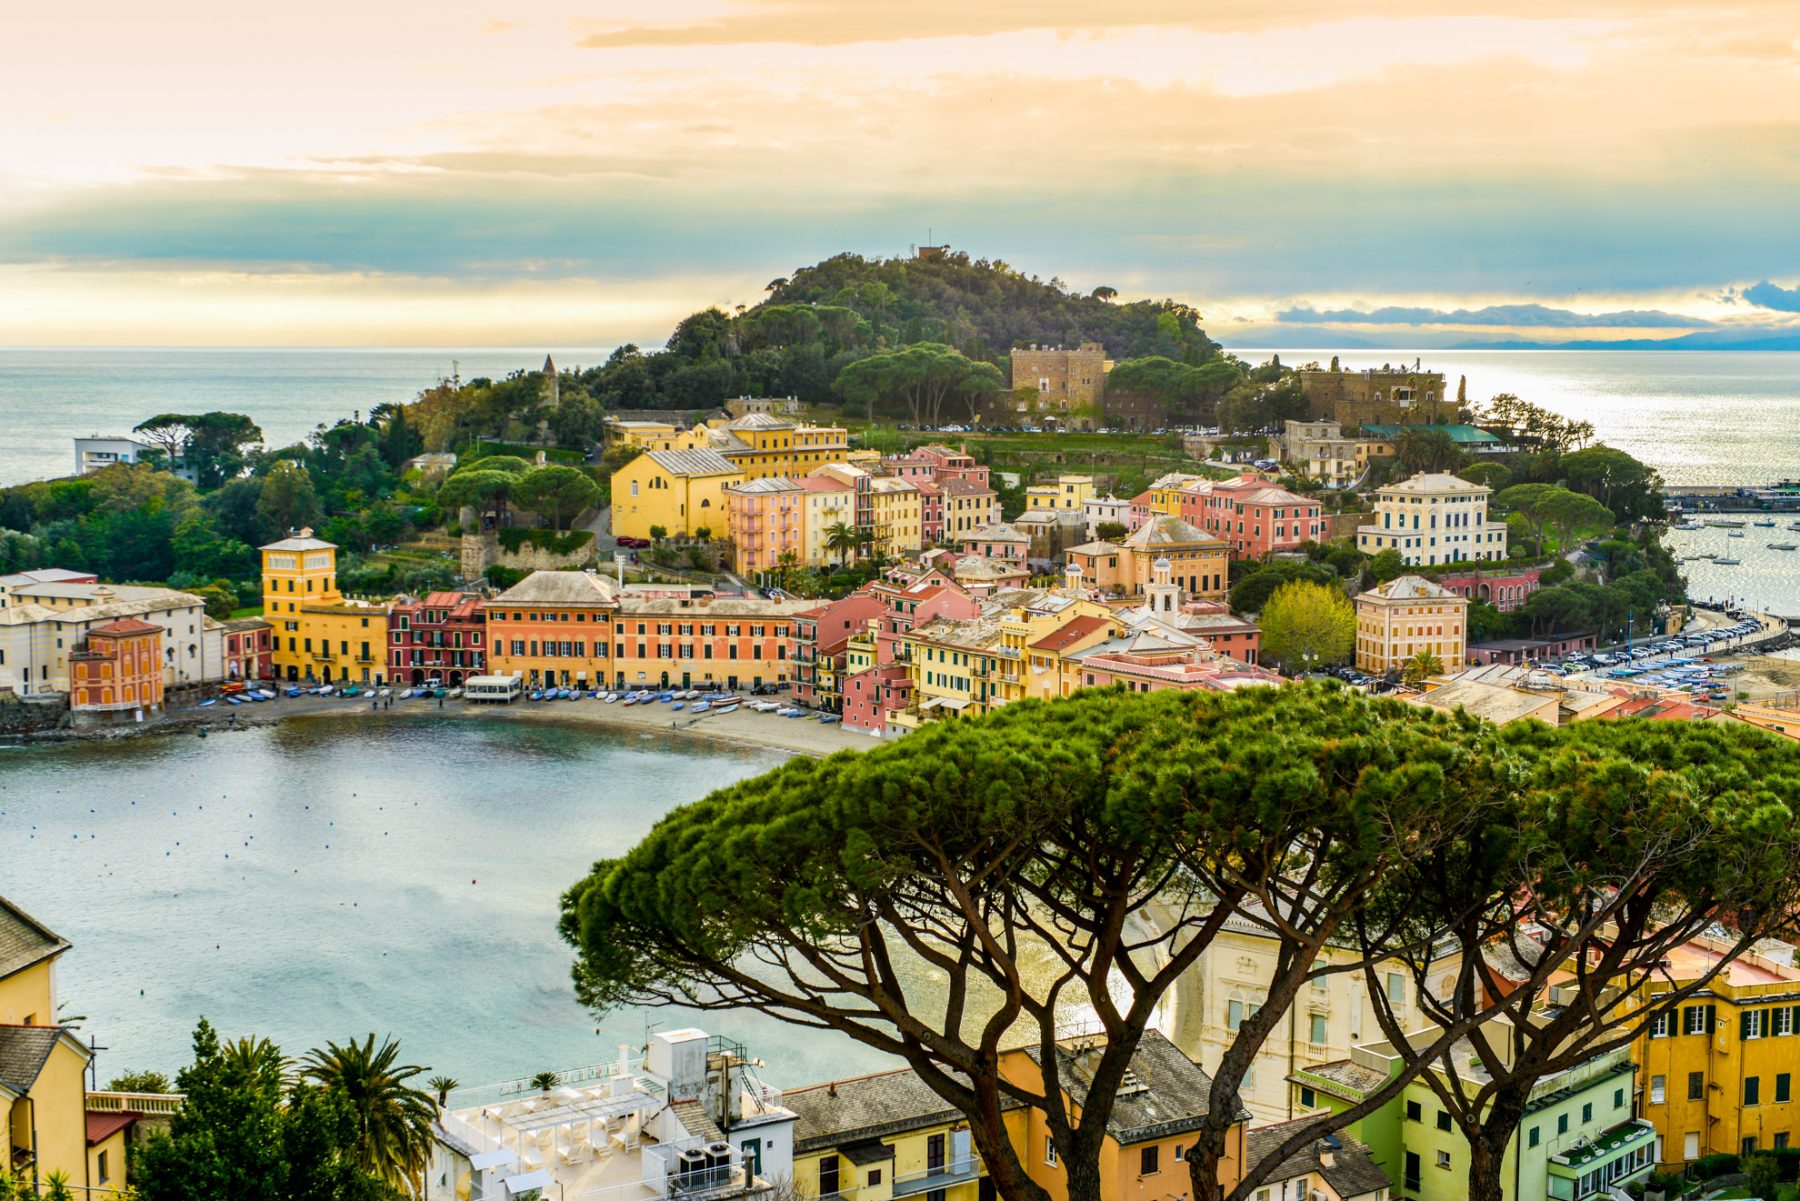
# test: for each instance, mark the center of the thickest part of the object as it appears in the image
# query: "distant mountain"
(1720, 339)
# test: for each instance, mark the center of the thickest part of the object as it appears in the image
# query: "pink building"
(819, 639)
(1255, 517)
(765, 519)
(936, 463)
(1505, 590)
(872, 693)
(931, 512)
(869, 696)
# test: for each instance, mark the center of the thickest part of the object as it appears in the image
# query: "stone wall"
(482, 551)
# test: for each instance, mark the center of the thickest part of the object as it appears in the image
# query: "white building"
(1320, 450)
(42, 621)
(97, 451)
(1432, 519)
(1101, 510)
(690, 1122)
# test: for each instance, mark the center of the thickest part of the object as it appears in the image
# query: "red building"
(936, 463)
(869, 696)
(1254, 516)
(1505, 590)
(249, 652)
(874, 692)
(440, 637)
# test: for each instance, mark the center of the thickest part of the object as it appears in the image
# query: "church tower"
(1163, 596)
(552, 382)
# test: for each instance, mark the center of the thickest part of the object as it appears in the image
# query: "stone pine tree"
(1017, 859)
(1635, 838)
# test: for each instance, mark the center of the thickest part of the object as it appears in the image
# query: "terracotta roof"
(1070, 634)
(823, 483)
(124, 628)
(957, 485)
(998, 532)
(102, 1126)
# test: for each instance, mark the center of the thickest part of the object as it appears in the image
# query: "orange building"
(117, 673)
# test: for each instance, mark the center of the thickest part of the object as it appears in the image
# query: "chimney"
(1326, 1155)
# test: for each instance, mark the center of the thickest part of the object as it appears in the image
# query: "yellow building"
(763, 446)
(1199, 562)
(896, 517)
(315, 632)
(880, 1137)
(1434, 518)
(1717, 1075)
(1061, 492)
(1037, 637)
(1164, 496)
(644, 435)
(43, 1072)
(676, 491)
(830, 502)
(1407, 615)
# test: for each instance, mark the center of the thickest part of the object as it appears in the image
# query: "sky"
(538, 172)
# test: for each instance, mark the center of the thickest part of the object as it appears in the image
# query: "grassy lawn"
(247, 611)
(1783, 1192)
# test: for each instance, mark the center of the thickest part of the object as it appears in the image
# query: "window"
(874, 1177)
(1618, 1098)
(1049, 1151)
(1234, 1015)
(1697, 1019)
(1443, 1119)
(828, 1175)
(1690, 1145)
(1753, 1023)
(100, 1165)
(1784, 1021)
(934, 1153)
(1658, 1089)
(1443, 1159)
(1308, 1099)
(1781, 1141)
(1660, 1024)
(1696, 1085)
(1317, 1033)
(1587, 1113)
(1532, 1136)
(1147, 1165)
(1396, 987)
(1752, 1090)
(1562, 1123)
(1749, 1145)
(1783, 1086)
(1414, 1113)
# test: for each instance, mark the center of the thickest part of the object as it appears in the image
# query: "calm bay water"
(329, 877)
(50, 395)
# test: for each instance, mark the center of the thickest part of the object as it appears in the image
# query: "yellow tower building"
(317, 634)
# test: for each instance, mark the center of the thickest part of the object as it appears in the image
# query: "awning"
(500, 1157)
(517, 1185)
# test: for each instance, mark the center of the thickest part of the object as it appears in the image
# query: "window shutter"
(1711, 1014)
(1744, 1024)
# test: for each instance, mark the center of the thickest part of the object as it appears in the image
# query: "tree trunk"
(1082, 1181)
(1203, 1170)
(1487, 1150)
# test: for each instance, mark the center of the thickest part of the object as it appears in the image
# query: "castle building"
(1068, 387)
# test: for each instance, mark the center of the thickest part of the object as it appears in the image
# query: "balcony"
(956, 1171)
(325, 656)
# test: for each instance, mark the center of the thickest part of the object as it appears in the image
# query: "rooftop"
(560, 588)
(1071, 633)
(997, 532)
(866, 1107)
(1412, 587)
(1172, 1093)
(693, 462)
(1351, 1172)
(303, 541)
(1434, 483)
(1462, 435)
(1170, 531)
(24, 940)
(23, 1052)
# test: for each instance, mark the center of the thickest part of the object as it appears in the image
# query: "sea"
(332, 877)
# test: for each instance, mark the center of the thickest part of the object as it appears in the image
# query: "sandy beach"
(797, 735)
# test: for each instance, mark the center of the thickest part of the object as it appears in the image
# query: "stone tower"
(552, 382)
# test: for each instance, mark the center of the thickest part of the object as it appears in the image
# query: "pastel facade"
(248, 649)
(1501, 587)
(1068, 492)
(441, 637)
(1109, 510)
(818, 658)
(1578, 1138)
(45, 1115)
(896, 517)
(572, 628)
(1256, 518)
(967, 505)
(829, 502)
(43, 621)
(1405, 616)
(316, 632)
(1717, 1075)
(676, 491)
(1434, 519)
(117, 671)
(766, 522)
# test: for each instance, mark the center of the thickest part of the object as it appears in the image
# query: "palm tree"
(443, 1086)
(393, 1119)
(545, 1081)
(841, 539)
(257, 1061)
(1421, 667)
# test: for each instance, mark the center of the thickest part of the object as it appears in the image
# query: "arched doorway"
(418, 677)
(455, 678)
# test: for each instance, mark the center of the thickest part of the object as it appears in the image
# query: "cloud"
(1772, 296)
(1515, 316)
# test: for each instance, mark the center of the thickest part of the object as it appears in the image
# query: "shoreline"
(746, 727)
